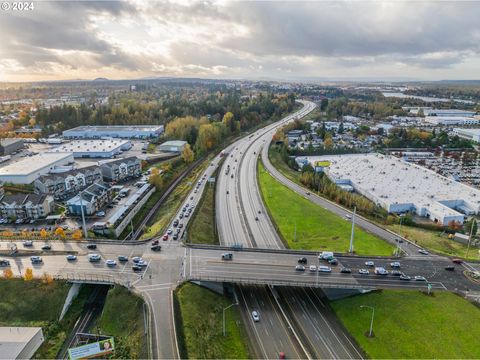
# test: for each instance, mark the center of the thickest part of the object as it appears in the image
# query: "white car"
(313, 268)
(363, 272)
(94, 257)
(420, 278)
(71, 257)
(110, 262)
(422, 251)
(395, 264)
(369, 263)
(255, 316)
(325, 269)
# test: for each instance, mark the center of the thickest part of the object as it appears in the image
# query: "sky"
(60, 40)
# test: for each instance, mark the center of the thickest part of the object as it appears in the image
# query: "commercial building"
(116, 131)
(66, 184)
(31, 168)
(20, 342)
(448, 113)
(122, 169)
(10, 145)
(451, 120)
(94, 148)
(93, 198)
(470, 134)
(173, 146)
(401, 187)
(26, 206)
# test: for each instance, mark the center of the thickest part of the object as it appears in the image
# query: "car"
(396, 273)
(363, 271)
(28, 243)
(302, 260)
(191, 197)
(111, 263)
(187, 214)
(142, 263)
(187, 205)
(71, 258)
(180, 216)
(184, 209)
(300, 268)
(380, 271)
(423, 252)
(195, 191)
(47, 247)
(325, 269)
(346, 271)
(255, 316)
(333, 261)
(228, 192)
(450, 268)
(175, 237)
(307, 193)
(36, 259)
(420, 278)
(4, 262)
(405, 277)
(94, 257)
(156, 248)
(180, 225)
(155, 242)
(169, 231)
(399, 240)
(395, 265)
(369, 263)
(100, 213)
(348, 217)
(136, 259)
(137, 268)
(175, 223)
(122, 258)
(231, 176)
(165, 237)
(313, 268)
(227, 256)
(256, 218)
(281, 355)
(91, 246)
(457, 261)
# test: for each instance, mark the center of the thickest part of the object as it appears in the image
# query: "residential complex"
(122, 169)
(25, 206)
(114, 131)
(92, 199)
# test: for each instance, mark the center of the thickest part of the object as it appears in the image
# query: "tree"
(156, 179)
(59, 232)
(229, 122)
(7, 273)
(77, 234)
(187, 154)
(46, 278)
(328, 143)
(28, 274)
(43, 233)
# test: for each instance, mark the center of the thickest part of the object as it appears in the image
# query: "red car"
(165, 237)
(155, 242)
(457, 261)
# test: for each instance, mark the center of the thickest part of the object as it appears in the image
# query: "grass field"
(201, 229)
(411, 325)
(201, 315)
(307, 226)
(122, 317)
(434, 241)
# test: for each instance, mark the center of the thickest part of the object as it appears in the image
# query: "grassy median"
(411, 325)
(201, 318)
(307, 226)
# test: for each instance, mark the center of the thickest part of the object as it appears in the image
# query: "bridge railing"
(280, 282)
(91, 278)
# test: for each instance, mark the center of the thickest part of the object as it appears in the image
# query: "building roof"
(93, 146)
(65, 174)
(119, 161)
(178, 143)
(451, 112)
(9, 141)
(473, 132)
(14, 339)
(113, 128)
(34, 163)
(21, 199)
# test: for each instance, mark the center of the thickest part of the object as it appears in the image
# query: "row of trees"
(416, 138)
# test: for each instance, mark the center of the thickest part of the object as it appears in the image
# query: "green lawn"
(122, 317)
(435, 241)
(316, 228)
(201, 229)
(201, 316)
(411, 325)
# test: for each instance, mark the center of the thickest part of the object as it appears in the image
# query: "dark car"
(4, 263)
(333, 261)
(122, 258)
(457, 261)
(450, 268)
(346, 271)
(302, 260)
(175, 237)
(92, 246)
(46, 247)
(137, 268)
(155, 242)
(396, 273)
(156, 248)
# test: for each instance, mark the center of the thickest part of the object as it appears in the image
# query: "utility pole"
(350, 249)
(228, 307)
(469, 239)
(371, 321)
(83, 216)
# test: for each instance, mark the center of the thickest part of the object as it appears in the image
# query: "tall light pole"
(470, 238)
(228, 307)
(350, 249)
(83, 216)
(371, 322)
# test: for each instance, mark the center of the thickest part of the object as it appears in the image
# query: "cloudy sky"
(257, 39)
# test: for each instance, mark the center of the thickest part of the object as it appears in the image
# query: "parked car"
(169, 231)
(396, 273)
(136, 259)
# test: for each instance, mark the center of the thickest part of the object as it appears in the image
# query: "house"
(92, 199)
(122, 169)
(26, 206)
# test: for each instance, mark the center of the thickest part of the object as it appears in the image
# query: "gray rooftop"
(31, 164)
(117, 128)
(82, 146)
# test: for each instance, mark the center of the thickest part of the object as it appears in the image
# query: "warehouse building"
(10, 145)
(93, 198)
(448, 113)
(172, 146)
(116, 131)
(451, 120)
(469, 134)
(26, 206)
(122, 169)
(20, 342)
(402, 187)
(94, 148)
(69, 183)
(31, 168)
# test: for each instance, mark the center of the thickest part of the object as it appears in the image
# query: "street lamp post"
(228, 307)
(371, 322)
(83, 215)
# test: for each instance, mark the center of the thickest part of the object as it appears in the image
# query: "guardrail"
(89, 278)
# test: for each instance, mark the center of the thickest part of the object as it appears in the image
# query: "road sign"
(95, 349)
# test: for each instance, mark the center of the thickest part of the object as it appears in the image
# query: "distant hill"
(101, 79)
